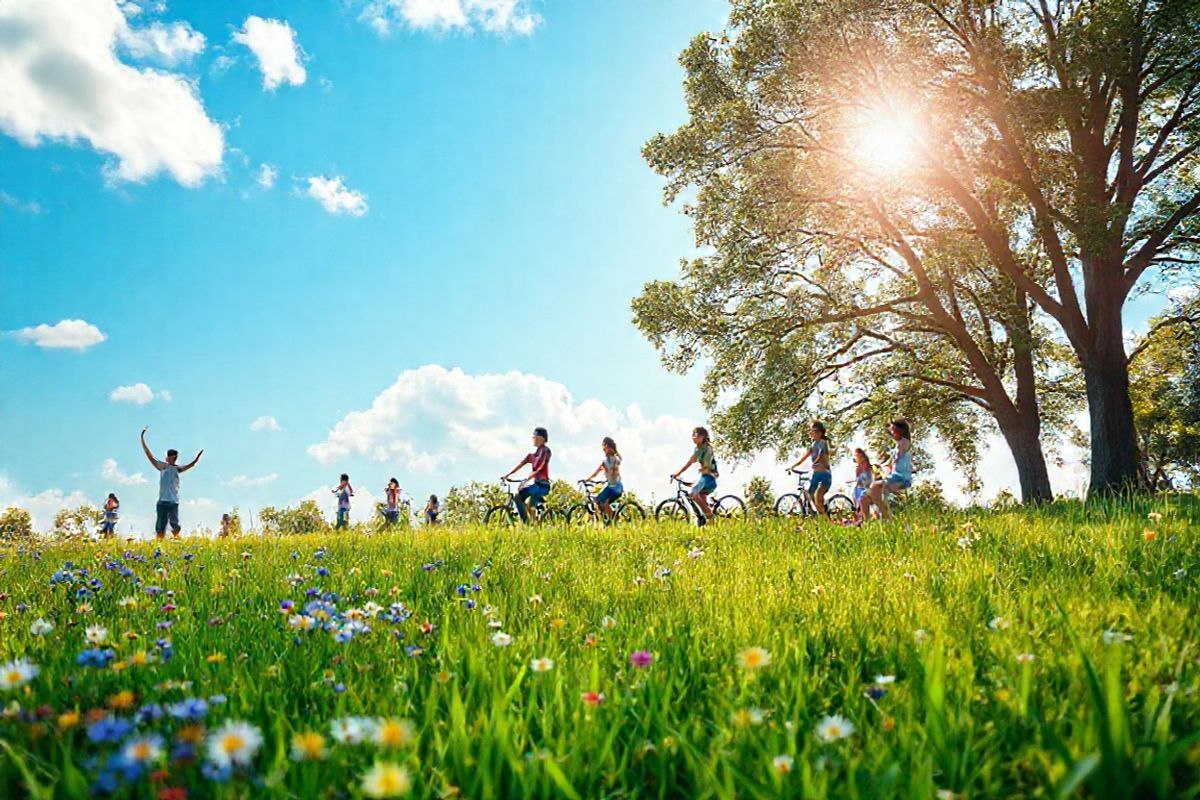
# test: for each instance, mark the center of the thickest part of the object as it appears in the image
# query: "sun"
(885, 140)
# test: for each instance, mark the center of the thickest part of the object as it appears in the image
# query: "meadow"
(1017, 653)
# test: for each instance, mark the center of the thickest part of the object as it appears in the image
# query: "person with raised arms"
(167, 510)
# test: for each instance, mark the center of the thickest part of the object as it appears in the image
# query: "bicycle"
(506, 514)
(677, 508)
(800, 503)
(588, 512)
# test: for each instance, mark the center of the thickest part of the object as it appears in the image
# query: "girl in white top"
(613, 489)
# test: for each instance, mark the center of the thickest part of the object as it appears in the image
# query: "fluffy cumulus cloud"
(67, 334)
(502, 17)
(266, 175)
(274, 45)
(61, 80)
(450, 426)
(111, 471)
(336, 197)
(137, 393)
(167, 43)
(265, 423)
(41, 506)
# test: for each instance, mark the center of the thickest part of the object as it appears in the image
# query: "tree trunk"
(1110, 410)
(1025, 444)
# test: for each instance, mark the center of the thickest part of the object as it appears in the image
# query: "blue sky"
(495, 216)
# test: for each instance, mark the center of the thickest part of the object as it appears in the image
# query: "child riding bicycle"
(535, 492)
(707, 482)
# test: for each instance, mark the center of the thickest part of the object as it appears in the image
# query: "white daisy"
(96, 634)
(235, 742)
(40, 627)
(783, 764)
(143, 750)
(16, 674)
(501, 639)
(834, 727)
(542, 664)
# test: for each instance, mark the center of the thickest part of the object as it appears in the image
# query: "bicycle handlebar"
(681, 481)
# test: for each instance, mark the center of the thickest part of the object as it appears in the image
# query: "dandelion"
(834, 727)
(122, 700)
(641, 658)
(40, 627)
(386, 780)
(96, 634)
(68, 720)
(1025, 658)
(998, 624)
(542, 664)
(592, 698)
(754, 658)
(16, 674)
(308, 746)
(1149, 534)
(783, 764)
(143, 750)
(394, 733)
(557, 623)
(501, 639)
(234, 742)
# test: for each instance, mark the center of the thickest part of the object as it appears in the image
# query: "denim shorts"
(820, 479)
(706, 484)
(859, 493)
(897, 482)
(610, 493)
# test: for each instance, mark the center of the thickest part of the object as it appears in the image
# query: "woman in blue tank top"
(900, 463)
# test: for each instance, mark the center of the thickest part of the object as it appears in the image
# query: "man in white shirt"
(167, 509)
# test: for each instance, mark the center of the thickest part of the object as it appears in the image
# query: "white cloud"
(266, 176)
(1181, 295)
(110, 471)
(502, 17)
(69, 334)
(265, 423)
(245, 482)
(42, 506)
(169, 44)
(137, 393)
(61, 80)
(273, 43)
(336, 197)
(9, 201)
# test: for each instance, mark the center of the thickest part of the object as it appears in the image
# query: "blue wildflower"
(109, 729)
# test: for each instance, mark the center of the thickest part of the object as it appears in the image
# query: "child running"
(900, 464)
(391, 509)
(108, 527)
(344, 492)
(432, 509)
(864, 475)
(822, 476)
(534, 492)
(613, 488)
(706, 484)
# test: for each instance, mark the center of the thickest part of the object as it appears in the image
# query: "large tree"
(1063, 133)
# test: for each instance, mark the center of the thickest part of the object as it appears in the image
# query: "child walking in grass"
(108, 527)
(344, 492)
(432, 509)
(613, 488)
(822, 475)
(706, 484)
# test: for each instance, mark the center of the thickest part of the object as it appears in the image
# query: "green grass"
(834, 607)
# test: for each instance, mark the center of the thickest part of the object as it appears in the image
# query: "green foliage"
(467, 504)
(77, 523)
(760, 499)
(305, 518)
(1165, 389)
(16, 526)
(948, 603)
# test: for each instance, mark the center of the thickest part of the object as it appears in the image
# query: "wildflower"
(592, 698)
(542, 664)
(68, 720)
(427, 627)
(1179, 574)
(16, 674)
(783, 764)
(190, 734)
(641, 658)
(557, 623)
(946, 794)
(535, 599)
(1154, 516)
(122, 700)
(834, 727)
(96, 634)
(215, 658)
(394, 733)
(920, 635)
(608, 623)
(172, 793)
(998, 624)
(143, 750)
(964, 543)
(233, 743)
(590, 640)
(139, 659)
(1025, 658)
(501, 639)
(192, 708)
(695, 552)
(754, 658)
(1149, 534)
(40, 627)
(1116, 637)
(386, 780)
(444, 676)
(884, 680)
(308, 746)
(745, 717)
(350, 730)
(109, 729)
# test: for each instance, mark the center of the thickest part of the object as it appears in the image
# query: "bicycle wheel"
(671, 510)
(580, 515)
(840, 509)
(500, 517)
(790, 505)
(551, 516)
(629, 513)
(729, 507)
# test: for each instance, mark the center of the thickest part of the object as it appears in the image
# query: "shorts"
(610, 493)
(343, 518)
(820, 479)
(706, 484)
(392, 515)
(431, 517)
(108, 527)
(897, 482)
(166, 512)
(859, 493)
